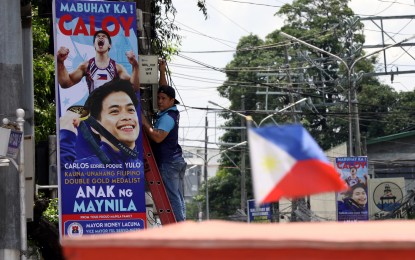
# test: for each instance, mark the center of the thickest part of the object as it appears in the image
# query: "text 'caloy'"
(110, 24)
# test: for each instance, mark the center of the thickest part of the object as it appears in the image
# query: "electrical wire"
(251, 3)
(232, 21)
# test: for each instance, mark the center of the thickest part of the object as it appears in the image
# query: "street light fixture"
(281, 110)
(351, 86)
(264, 119)
(233, 111)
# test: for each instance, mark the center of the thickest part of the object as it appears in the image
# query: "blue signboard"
(261, 213)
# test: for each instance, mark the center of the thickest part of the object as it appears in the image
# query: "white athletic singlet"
(96, 77)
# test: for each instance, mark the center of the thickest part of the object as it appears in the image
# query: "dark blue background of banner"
(259, 214)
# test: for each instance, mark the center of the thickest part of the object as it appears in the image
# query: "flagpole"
(249, 121)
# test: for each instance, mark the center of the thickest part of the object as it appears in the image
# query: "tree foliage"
(383, 111)
(44, 79)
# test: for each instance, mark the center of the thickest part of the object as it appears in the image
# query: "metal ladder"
(155, 185)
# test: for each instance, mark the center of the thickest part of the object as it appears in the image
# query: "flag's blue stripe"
(294, 139)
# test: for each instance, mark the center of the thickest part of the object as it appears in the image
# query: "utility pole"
(294, 202)
(11, 74)
(290, 86)
(353, 51)
(243, 155)
(145, 36)
(205, 170)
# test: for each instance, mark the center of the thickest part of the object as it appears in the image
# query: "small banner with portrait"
(352, 205)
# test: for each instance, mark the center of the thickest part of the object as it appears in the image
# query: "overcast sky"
(230, 20)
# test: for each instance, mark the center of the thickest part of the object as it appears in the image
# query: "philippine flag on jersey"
(102, 77)
(287, 162)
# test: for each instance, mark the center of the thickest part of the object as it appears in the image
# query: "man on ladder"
(165, 145)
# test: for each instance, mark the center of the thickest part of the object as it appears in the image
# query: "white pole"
(23, 236)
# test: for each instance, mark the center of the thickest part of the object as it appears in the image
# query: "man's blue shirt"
(169, 148)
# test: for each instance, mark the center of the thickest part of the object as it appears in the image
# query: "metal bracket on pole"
(4, 161)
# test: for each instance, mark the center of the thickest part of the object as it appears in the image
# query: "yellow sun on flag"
(269, 163)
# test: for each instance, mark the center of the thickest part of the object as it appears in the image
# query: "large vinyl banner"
(101, 180)
(352, 205)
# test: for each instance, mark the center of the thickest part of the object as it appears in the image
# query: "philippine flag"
(102, 77)
(287, 162)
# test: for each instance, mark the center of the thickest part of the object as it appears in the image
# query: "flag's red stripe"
(306, 178)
